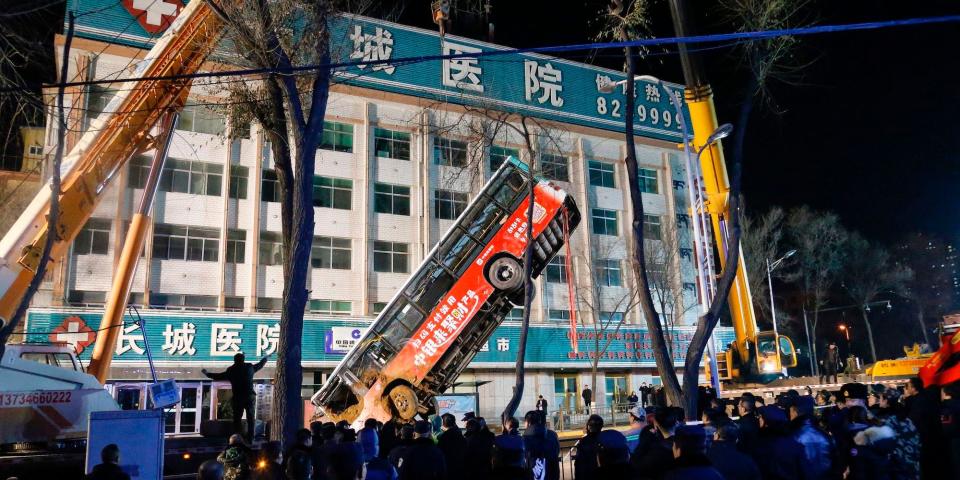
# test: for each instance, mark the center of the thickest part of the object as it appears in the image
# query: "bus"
(450, 306)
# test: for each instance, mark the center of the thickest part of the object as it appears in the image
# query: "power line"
(712, 38)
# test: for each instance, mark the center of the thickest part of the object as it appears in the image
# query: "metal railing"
(613, 416)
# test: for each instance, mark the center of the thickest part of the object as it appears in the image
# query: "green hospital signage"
(527, 84)
(201, 338)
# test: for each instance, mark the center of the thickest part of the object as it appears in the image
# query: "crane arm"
(119, 133)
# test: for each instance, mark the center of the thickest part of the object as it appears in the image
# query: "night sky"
(869, 129)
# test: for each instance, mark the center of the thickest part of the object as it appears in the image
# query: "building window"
(394, 199)
(183, 302)
(515, 314)
(271, 249)
(139, 171)
(238, 181)
(337, 137)
(608, 272)
(448, 205)
(270, 187)
(648, 181)
(498, 155)
(554, 167)
(331, 192)
(378, 307)
(201, 119)
(331, 307)
(97, 99)
(330, 252)
(173, 242)
(195, 178)
(604, 221)
(608, 317)
(450, 153)
(558, 315)
(267, 304)
(232, 304)
(602, 174)
(651, 227)
(94, 238)
(391, 144)
(86, 297)
(236, 246)
(35, 150)
(557, 270)
(391, 257)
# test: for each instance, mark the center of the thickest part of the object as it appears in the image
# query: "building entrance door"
(565, 389)
(185, 418)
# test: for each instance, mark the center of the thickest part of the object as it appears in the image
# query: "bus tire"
(404, 401)
(505, 273)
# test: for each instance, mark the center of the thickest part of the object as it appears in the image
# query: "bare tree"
(280, 35)
(930, 288)
(818, 238)
(763, 237)
(665, 275)
(868, 272)
(603, 294)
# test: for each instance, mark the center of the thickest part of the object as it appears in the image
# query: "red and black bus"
(445, 313)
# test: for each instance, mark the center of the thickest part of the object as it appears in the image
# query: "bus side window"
(509, 191)
(480, 221)
(402, 321)
(430, 285)
(457, 252)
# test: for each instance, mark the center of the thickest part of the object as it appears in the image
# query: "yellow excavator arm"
(123, 130)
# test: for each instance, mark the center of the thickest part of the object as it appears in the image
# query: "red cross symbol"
(154, 16)
(75, 332)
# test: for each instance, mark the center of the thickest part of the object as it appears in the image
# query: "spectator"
(541, 448)
(950, 423)
(651, 460)
(511, 427)
(236, 459)
(748, 422)
(373, 466)
(271, 463)
(829, 363)
(874, 447)
(584, 453)
(109, 467)
(300, 466)
(632, 400)
(542, 405)
(818, 449)
(613, 456)
(923, 408)
(587, 396)
(640, 431)
(777, 454)
(479, 451)
(406, 440)
(322, 449)
(726, 458)
(690, 459)
(389, 436)
(240, 375)
(452, 444)
(508, 458)
(210, 470)
(303, 441)
(423, 460)
(644, 394)
(906, 453)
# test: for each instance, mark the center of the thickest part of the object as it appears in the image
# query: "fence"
(613, 416)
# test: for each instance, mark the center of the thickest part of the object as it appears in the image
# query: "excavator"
(41, 385)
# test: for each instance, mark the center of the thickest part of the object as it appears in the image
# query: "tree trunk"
(668, 373)
(923, 325)
(6, 331)
(873, 348)
(813, 343)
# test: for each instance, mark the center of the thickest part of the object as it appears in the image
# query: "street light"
(770, 268)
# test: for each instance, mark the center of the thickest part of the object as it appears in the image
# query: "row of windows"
(607, 272)
(604, 222)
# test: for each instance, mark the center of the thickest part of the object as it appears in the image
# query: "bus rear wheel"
(505, 273)
(404, 401)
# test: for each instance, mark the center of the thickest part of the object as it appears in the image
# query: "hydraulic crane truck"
(42, 384)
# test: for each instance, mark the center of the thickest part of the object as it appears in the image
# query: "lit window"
(557, 270)
(602, 174)
(391, 144)
(174, 242)
(330, 252)
(94, 238)
(554, 167)
(651, 227)
(337, 137)
(608, 272)
(330, 307)
(498, 155)
(648, 181)
(448, 205)
(331, 192)
(604, 221)
(451, 153)
(391, 257)
(393, 199)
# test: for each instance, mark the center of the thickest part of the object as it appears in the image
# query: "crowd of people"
(858, 432)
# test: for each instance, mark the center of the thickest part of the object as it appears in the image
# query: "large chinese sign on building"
(186, 337)
(529, 84)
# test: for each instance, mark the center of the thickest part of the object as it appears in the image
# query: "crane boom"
(123, 130)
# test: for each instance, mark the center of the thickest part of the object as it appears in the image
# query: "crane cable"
(569, 272)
